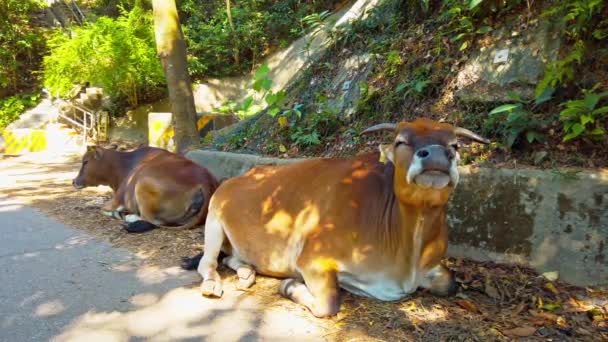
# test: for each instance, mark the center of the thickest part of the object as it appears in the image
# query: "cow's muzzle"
(76, 184)
(433, 166)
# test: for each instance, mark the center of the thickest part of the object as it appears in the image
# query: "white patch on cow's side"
(383, 285)
(132, 218)
(413, 282)
(374, 285)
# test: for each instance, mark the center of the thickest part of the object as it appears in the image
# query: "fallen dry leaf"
(518, 309)
(490, 289)
(545, 315)
(524, 331)
(551, 276)
(552, 288)
(468, 305)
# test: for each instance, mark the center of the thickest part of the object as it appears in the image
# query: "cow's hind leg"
(320, 293)
(135, 224)
(245, 272)
(214, 238)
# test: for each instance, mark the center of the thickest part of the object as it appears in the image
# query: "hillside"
(490, 68)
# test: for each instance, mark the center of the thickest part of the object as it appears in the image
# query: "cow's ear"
(386, 153)
(98, 152)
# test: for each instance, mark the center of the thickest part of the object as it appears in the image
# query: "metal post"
(84, 131)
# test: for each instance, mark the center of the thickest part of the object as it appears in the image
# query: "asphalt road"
(61, 284)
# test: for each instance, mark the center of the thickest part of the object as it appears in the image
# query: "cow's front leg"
(115, 210)
(319, 292)
(440, 281)
(244, 271)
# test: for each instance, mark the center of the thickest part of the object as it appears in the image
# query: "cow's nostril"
(422, 153)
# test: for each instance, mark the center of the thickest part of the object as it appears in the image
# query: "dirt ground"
(495, 302)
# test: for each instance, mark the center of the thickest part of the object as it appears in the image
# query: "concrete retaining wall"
(548, 220)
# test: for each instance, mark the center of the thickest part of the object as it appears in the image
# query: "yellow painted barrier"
(160, 131)
(24, 140)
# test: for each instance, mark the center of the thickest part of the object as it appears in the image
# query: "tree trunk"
(171, 48)
(231, 23)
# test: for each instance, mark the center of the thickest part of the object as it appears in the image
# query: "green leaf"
(601, 110)
(513, 96)
(247, 102)
(505, 108)
(550, 306)
(403, 86)
(585, 119)
(544, 96)
(273, 98)
(261, 72)
(484, 29)
(515, 116)
(458, 37)
(512, 137)
(532, 136)
(591, 100)
(464, 46)
(274, 111)
(598, 131)
(474, 3)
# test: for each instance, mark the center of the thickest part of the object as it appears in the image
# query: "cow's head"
(425, 156)
(94, 170)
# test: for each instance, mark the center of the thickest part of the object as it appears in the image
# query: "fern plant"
(583, 117)
(517, 119)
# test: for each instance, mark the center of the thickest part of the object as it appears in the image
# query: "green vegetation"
(582, 118)
(21, 45)
(12, 106)
(220, 46)
(116, 54)
(516, 120)
(585, 26)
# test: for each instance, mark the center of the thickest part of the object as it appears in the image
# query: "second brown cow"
(152, 187)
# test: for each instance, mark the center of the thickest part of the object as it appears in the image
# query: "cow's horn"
(463, 132)
(380, 127)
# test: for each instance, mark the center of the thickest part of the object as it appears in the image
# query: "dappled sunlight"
(74, 241)
(183, 313)
(280, 224)
(50, 308)
(150, 274)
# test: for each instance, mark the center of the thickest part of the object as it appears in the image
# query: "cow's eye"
(400, 142)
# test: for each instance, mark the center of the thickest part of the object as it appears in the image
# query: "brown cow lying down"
(152, 187)
(375, 229)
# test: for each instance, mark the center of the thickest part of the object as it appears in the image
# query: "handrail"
(82, 125)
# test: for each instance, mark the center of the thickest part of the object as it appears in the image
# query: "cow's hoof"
(246, 278)
(211, 288)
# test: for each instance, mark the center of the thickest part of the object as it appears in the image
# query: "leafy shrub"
(21, 43)
(583, 23)
(116, 54)
(581, 118)
(11, 107)
(516, 120)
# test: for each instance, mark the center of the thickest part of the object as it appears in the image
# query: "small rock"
(539, 157)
